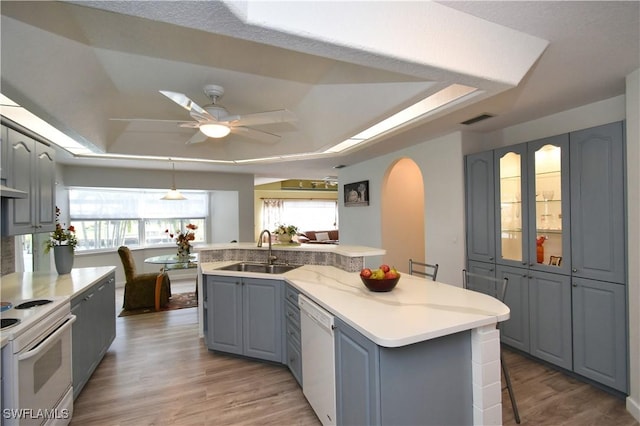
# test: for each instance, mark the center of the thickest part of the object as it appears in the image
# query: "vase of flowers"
(285, 233)
(63, 241)
(183, 240)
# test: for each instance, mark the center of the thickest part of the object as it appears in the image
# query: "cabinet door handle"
(491, 258)
(491, 270)
(574, 270)
(575, 284)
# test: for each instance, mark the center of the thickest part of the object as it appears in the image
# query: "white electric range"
(36, 361)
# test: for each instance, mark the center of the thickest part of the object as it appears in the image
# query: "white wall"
(633, 220)
(441, 163)
(225, 218)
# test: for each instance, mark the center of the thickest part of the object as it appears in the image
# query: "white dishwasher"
(318, 360)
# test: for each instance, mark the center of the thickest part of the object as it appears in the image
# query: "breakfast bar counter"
(424, 353)
(414, 311)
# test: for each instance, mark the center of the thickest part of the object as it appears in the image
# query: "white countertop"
(415, 310)
(345, 250)
(30, 285)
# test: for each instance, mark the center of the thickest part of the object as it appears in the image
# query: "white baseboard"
(633, 407)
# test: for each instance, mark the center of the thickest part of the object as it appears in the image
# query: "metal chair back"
(427, 270)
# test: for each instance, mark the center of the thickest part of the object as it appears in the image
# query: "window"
(109, 218)
(307, 215)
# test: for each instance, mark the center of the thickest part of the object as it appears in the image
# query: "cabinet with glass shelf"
(532, 229)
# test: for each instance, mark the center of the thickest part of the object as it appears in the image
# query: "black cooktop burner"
(8, 322)
(32, 303)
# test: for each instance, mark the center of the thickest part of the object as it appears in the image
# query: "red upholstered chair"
(150, 290)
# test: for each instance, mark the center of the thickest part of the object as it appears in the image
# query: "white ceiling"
(339, 66)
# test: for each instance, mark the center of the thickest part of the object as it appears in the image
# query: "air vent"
(476, 119)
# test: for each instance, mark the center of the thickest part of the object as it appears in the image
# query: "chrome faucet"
(270, 257)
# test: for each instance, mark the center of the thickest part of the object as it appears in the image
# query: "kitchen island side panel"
(428, 383)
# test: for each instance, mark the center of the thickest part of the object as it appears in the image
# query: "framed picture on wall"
(356, 194)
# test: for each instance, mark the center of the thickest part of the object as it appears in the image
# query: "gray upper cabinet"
(549, 204)
(30, 168)
(597, 203)
(511, 206)
(600, 332)
(480, 207)
(4, 145)
(245, 316)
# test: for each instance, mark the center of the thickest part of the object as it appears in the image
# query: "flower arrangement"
(61, 236)
(183, 239)
(289, 230)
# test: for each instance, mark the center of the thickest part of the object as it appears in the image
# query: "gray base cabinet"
(293, 337)
(94, 329)
(515, 331)
(550, 318)
(599, 332)
(380, 386)
(244, 316)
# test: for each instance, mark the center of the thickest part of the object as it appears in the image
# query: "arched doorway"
(402, 214)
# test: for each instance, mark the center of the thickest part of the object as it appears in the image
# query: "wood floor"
(158, 372)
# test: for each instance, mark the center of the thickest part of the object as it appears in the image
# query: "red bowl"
(380, 285)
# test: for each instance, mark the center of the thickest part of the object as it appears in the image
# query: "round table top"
(170, 259)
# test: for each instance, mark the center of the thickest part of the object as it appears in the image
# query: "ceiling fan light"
(214, 130)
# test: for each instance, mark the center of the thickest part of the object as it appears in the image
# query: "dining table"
(171, 262)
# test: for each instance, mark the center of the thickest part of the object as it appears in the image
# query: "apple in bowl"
(382, 279)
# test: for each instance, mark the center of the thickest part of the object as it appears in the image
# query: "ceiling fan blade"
(199, 137)
(190, 124)
(254, 134)
(195, 110)
(156, 120)
(259, 118)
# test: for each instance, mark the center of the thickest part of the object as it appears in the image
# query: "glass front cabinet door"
(511, 206)
(548, 197)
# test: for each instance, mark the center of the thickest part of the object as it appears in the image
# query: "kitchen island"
(424, 353)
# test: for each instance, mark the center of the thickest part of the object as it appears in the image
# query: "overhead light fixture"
(427, 106)
(173, 193)
(214, 130)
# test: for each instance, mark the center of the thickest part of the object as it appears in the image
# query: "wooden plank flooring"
(158, 372)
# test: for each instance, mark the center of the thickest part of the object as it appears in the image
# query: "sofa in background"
(319, 237)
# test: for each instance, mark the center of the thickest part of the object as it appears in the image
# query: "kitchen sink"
(259, 267)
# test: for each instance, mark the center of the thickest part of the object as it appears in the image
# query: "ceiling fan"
(214, 121)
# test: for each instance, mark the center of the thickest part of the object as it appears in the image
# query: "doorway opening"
(402, 214)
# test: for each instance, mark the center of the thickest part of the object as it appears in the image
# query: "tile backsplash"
(346, 263)
(8, 255)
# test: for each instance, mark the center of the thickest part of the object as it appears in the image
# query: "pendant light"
(173, 193)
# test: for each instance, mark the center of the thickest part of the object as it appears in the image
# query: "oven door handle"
(44, 345)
